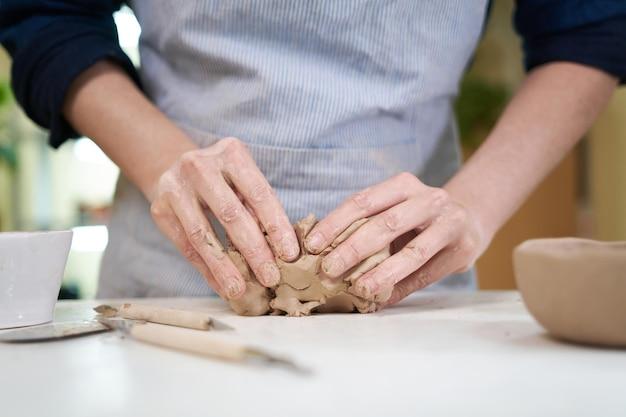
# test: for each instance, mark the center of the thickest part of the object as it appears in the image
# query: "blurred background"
(72, 187)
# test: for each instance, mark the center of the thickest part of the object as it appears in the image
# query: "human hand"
(431, 234)
(223, 180)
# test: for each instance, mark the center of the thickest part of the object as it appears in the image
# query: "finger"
(363, 204)
(409, 259)
(379, 232)
(241, 228)
(202, 237)
(435, 269)
(248, 208)
(169, 225)
(252, 214)
(257, 193)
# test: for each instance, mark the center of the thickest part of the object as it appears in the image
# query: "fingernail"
(289, 247)
(333, 265)
(270, 274)
(234, 288)
(314, 242)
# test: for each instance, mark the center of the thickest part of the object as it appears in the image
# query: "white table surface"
(435, 354)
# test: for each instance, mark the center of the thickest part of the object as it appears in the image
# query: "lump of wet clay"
(575, 288)
(303, 289)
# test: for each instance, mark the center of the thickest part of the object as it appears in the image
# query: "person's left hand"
(430, 233)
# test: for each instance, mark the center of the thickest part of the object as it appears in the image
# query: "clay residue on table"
(303, 289)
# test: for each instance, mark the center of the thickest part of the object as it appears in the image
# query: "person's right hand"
(223, 180)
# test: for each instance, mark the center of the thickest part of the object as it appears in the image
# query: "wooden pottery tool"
(197, 342)
(154, 314)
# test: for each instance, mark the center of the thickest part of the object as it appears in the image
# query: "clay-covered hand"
(430, 233)
(223, 180)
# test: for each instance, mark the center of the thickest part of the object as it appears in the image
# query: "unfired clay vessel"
(576, 288)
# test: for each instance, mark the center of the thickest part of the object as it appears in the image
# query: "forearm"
(104, 104)
(551, 111)
(182, 181)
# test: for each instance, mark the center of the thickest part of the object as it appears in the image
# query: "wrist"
(479, 209)
(169, 153)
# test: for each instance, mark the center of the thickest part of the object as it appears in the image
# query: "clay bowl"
(576, 288)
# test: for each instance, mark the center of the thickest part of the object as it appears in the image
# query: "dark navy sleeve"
(588, 32)
(51, 43)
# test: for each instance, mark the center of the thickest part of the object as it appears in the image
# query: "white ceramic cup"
(31, 270)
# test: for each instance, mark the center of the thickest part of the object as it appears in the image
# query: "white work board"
(435, 354)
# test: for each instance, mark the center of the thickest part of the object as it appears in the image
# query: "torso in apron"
(330, 96)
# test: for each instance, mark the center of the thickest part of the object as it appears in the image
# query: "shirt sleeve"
(51, 43)
(588, 32)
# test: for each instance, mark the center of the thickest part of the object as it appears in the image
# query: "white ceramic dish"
(31, 270)
(576, 288)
